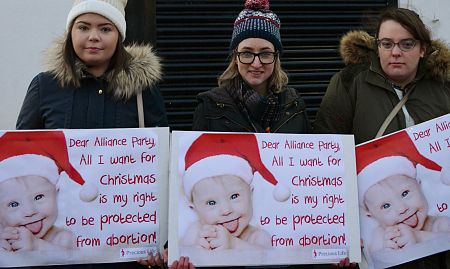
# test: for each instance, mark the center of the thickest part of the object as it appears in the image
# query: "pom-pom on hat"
(41, 154)
(392, 155)
(113, 10)
(257, 21)
(227, 154)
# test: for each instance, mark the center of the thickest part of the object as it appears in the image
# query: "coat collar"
(144, 70)
(356, 47)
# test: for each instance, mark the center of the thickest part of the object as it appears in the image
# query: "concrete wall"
(29, 26)
(434, 14)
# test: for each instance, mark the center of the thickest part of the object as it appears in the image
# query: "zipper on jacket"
(250, 120)
(291, 104)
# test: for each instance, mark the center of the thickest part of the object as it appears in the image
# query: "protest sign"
(82, 196)
(404, 190)
(262, 199)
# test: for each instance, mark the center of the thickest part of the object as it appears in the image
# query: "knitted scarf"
(264, 110)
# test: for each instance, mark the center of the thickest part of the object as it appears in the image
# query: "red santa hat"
(395, 154)
(227, 154)
(41, 154)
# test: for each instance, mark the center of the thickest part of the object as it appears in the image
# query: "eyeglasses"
(404, 44)
(247, 57)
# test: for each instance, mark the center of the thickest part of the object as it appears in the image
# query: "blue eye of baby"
(405, 193)
(211, 202)
(234, 196)
(386, 206)
(13, 204)
(39, 197)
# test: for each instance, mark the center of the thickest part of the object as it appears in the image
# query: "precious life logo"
(134, 253)
(327, 254)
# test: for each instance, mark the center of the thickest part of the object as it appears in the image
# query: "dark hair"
(119, 61)
(410, 20)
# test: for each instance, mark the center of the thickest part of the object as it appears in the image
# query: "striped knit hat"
(257, 21)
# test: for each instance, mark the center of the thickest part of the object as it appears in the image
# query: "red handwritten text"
(127, 218)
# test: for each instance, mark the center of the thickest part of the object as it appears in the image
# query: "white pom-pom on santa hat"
(392, 155)
(88, 192)
(227, 154)
(281, 192)
(40, 153)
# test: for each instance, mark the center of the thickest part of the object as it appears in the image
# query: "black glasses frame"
(274, 54)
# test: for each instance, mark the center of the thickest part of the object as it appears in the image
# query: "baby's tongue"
(34, 227)
(411, 221)
(231, 226)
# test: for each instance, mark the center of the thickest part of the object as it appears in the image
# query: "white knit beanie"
(113, 10)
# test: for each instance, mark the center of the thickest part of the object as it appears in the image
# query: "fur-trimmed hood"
(356, 47)
(143, 71)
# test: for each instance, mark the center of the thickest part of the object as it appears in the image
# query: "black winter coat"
(217, 111)
(99, 102)
(48, 106)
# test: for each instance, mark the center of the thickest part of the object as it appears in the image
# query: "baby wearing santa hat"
(390, 194)
(30, 166)
(219, 169)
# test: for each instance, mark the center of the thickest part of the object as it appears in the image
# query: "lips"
(93, 49)
(34, 227)
(256, 73)
(412, 221)
(231, 226)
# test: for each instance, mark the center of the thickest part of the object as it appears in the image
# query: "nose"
(396, 51)
(402, 208)
(225, 209)
(29, 209)
(256, 62)
(93, 35)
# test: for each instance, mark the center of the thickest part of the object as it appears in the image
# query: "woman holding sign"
(94, 81)
(253, 95)
(393, 80)
(401, 65)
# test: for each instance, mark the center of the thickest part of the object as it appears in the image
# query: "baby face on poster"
(223, 200)
(397, 199)
(28, 202)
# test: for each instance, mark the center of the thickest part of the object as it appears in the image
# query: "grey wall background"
(29, 27)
